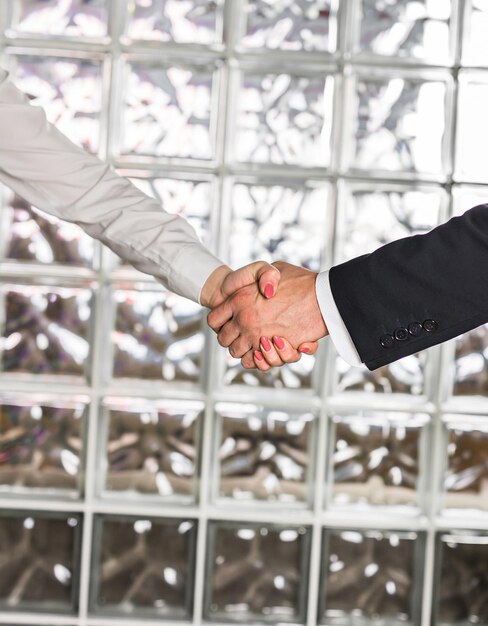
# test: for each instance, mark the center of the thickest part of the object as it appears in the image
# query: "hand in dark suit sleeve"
(416, 292)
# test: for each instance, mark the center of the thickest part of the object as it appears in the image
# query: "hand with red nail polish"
(292, 317)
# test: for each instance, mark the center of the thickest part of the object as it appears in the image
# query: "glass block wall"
(144, 476)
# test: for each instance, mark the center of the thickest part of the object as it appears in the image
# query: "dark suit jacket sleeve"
(416, 292)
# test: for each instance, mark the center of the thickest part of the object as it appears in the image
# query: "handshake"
(267, 315)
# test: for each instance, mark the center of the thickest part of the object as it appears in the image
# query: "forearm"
(49, 171)
(440, 276)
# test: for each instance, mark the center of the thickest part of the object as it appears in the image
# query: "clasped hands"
(267, 315)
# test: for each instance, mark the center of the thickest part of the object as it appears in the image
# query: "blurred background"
(145, 478)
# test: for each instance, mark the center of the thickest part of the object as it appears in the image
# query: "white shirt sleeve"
(49, 171)
(335, 325)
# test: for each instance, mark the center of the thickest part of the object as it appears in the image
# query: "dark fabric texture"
(441, 276)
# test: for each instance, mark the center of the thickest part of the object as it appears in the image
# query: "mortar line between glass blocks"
(459, 8)
(315, 561)
(98, 365)
(205, 483)
(5, 9)
(211, 357)
(99, 355)
(233, 13)
(115, 102)
(40, 619)
(436, 486)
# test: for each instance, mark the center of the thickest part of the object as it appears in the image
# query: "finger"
(219, 316)
(228, 334)
(239, 347)
(268, 278)
(285, 350)
(270, 353)
(308, 348)
(247, 360)
(259, 361)
(267, 275)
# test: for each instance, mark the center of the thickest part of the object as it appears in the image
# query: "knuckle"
(235, 352)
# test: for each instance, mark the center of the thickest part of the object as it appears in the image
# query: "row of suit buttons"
(402, 334)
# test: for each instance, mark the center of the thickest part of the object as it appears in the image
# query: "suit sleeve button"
(387, 341)
(430, 325)
(401, 334)
(415, 329)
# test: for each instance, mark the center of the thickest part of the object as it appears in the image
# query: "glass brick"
(371, 577)
(304, 25)
(152, 448)
(275, 222)
(299, 375)
(264, 455)
(179, 21)
(466, 197)
(283, 119)
(475, 43)
(466, 473)
(377, 459)
(279, 223)
(399, 124)
(75, 18)
(41, 444)
(191, 199)
(471, 365)
(462, 597)
(169, 111)
(405, 30)
(69, 91)
(46, 330)
(257, 573)
(405, 376)
(471, 133)
(158, 336)
(372, 217)
(39, 561)
(143, 567)
(34, 236)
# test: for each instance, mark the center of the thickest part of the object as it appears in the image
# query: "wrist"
(319, 320)
(211, 294)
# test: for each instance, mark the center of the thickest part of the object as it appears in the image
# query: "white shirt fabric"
(50, 172)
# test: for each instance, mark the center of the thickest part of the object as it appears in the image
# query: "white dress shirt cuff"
(335, 325)
(190, 271)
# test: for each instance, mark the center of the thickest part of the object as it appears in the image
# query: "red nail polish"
(258, 355)
(304, 350)
(265, 343)
(269, 290)
(279, 343)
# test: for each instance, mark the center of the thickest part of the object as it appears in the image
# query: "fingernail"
(304, 350)
(269, 290)
(265, 343)
(258, 355)
(279, 343)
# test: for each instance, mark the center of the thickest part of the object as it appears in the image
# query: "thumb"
(310, 347)
(261, 272)
(268, 277)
